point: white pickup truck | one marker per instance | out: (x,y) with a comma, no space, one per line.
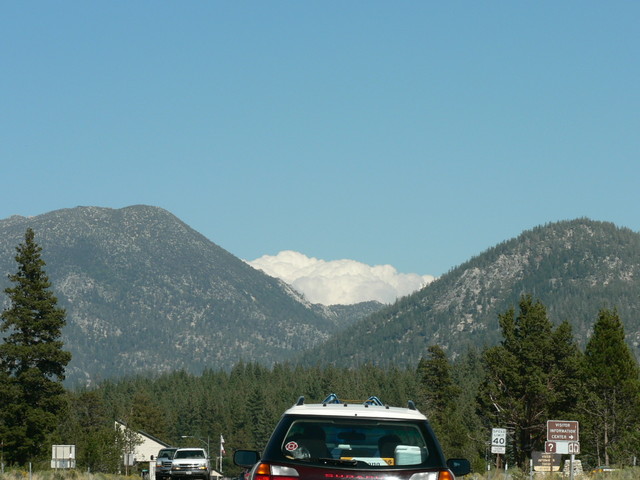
(190,463)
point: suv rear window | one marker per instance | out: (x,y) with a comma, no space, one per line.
(376,443)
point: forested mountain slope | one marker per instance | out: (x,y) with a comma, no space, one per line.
(145,292)
(574,267)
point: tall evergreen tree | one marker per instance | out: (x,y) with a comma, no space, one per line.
(612,403)
(529,377)
(32,359)
(88,425)
(439,395)
(145,414)
(468,373)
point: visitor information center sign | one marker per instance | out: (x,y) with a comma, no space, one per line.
(562,437)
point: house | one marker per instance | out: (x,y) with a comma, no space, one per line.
(147,445)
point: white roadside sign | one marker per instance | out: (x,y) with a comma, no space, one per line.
(562,447)
(498,440)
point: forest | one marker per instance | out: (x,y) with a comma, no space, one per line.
(536,373)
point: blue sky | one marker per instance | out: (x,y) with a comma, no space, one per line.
(416,134)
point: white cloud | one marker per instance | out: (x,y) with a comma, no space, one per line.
(340,281)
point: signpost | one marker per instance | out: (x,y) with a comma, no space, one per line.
(63,456)
(498,440)
(545,462)
(498,444)
(563,437)
(562,447)
(562,430)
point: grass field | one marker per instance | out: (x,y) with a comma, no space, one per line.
(622,474)
(62,475)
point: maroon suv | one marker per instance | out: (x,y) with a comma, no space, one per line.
(337,440)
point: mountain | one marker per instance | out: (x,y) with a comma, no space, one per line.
(574,268)
(146,293)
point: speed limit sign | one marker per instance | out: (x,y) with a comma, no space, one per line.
(498,440)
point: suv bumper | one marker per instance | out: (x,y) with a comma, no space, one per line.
(195,473)
(162,473)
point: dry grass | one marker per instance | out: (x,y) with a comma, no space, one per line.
(623,474)
(17,474)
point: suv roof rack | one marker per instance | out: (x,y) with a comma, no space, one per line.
(372,400)
(332,398)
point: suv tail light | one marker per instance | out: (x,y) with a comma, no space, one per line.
(441,475)
(266,471)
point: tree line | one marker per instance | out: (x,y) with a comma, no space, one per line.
(536,373)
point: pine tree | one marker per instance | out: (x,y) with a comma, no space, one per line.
(89,426)
(612,404)
(145,414)
(32,359)
(529,376)
(439,395)
(468,373)
(437,388)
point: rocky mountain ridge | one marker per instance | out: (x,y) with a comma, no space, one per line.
(146,293)
(574,268)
